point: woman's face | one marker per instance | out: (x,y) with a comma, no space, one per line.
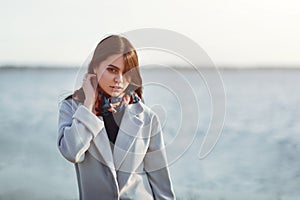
(110,74)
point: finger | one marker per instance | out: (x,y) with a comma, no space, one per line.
(115,104)
(85,77)
(127,98)
(88,76)
(93,80)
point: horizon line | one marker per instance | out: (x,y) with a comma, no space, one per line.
(176,66)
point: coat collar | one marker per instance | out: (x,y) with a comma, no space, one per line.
(130,126)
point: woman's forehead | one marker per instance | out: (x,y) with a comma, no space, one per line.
(116,60)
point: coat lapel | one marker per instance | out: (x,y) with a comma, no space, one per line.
(101,150)
(130,126)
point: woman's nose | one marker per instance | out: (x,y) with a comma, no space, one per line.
(119,78)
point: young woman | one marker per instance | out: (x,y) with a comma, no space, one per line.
(113,139)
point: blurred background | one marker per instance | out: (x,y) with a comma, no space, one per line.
(253,44)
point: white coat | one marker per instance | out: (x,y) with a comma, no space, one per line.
(134,168)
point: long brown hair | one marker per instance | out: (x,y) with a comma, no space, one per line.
(114,44)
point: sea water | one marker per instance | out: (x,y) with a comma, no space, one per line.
(255,157)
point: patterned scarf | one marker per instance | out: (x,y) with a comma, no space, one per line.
(108,106)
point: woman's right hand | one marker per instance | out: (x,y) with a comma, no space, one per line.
(89,86)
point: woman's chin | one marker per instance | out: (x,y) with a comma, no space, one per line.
(115,94)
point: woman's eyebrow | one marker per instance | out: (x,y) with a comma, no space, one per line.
(111,65)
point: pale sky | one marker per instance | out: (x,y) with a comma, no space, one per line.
(233,32)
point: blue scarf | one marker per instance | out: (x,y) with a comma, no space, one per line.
(108,102)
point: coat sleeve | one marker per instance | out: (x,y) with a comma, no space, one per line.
(156,164)
(76,128)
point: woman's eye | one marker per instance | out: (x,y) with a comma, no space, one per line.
(112,70)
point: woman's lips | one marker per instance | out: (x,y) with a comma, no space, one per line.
(116,87)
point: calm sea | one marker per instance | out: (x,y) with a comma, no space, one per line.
(255,157)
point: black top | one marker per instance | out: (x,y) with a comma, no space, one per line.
(112,123)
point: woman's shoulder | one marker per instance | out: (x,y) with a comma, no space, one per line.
(69,103)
